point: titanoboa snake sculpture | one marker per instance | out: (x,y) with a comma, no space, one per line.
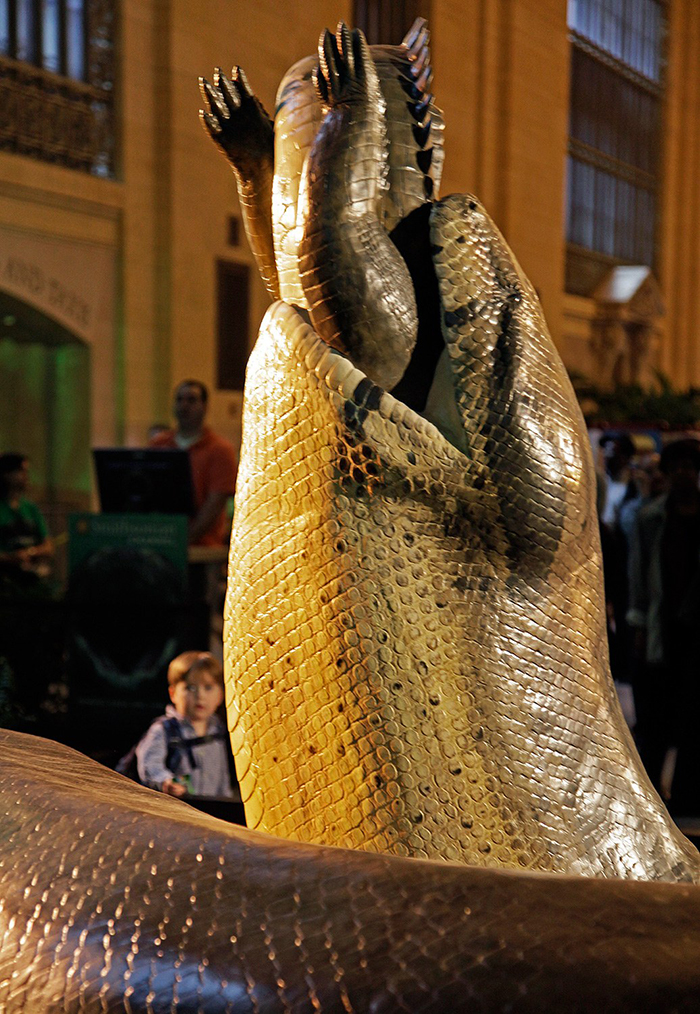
(415,643)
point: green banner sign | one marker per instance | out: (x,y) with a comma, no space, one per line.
(163,534)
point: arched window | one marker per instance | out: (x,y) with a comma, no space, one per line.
(617,72)
(47,33)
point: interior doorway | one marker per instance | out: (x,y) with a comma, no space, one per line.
(45,408)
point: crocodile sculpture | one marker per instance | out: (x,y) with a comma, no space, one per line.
(415,646)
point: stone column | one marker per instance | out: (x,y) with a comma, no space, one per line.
(502,79)
(679,231)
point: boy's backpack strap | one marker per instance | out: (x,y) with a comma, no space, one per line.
(177,745)
(210,737)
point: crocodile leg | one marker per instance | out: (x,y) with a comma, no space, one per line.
(357,285)
(242,130)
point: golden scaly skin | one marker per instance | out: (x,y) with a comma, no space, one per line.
(415,635)
(409,672)
(118,900)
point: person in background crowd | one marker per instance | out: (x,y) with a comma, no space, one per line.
(184,752)
(664,612)
(25,547)
(616,480)
(213,461)
(650,482)
(617,497)
(27,628)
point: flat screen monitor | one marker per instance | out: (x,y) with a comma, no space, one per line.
(144,481)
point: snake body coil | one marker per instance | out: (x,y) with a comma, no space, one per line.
(416,651)
(115,899)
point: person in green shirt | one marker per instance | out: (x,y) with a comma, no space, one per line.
(25,547)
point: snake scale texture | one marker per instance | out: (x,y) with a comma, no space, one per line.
(416,659)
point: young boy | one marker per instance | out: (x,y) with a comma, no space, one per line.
(165,760)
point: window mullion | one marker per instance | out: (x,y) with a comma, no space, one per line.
(38,14)
(12,21)
(610,165)
(62,48)
(86,40)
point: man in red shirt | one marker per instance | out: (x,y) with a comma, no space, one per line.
(213,461)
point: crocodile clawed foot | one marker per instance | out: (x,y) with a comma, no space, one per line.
(234,119)
(344,66)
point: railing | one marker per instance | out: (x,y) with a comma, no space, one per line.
(57,119)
